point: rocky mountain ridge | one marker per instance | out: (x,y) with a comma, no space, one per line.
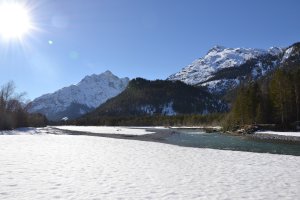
(223,69)
(76,100)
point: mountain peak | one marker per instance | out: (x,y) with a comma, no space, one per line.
(297,44)
(107,72)
(96,77)
(88,94)
(217,48)
(275,50)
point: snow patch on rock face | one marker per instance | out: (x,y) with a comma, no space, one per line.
(218,86)
(275,51)
(91,91)
(148,109)
(168,109)
(81,111)
(287,54)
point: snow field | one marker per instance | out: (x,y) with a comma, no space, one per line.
(106,130)
(85,167)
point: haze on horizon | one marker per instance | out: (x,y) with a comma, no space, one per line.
(65,41)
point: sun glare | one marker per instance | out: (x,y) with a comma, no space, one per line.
(15,21)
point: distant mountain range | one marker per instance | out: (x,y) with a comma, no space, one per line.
(76,100)
(209,80)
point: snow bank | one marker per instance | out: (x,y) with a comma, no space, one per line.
(294,134)
(81,167)
(198,127)
(24,131)
(106,130)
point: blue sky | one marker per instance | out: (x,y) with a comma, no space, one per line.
(137,38)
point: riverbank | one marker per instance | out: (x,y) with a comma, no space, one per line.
(197,137)
(155,134)
(276,137)
(266,132)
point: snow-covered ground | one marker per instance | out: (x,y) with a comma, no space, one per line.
(24,131)
(106,129)
(84,167)
(294,134)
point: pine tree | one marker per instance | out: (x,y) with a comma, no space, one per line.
(281,95)
(296,84)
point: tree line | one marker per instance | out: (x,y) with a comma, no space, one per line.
(274,100)
(154,120)
(13,111)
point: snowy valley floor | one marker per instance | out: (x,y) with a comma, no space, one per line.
(43,166)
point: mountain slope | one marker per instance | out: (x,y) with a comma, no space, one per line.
(143,97)
(76,100)
(291,56)
(272,99)
(222,69)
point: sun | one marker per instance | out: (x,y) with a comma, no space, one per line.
(15,21)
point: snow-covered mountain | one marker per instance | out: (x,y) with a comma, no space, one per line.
(222,69)
(81,98)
